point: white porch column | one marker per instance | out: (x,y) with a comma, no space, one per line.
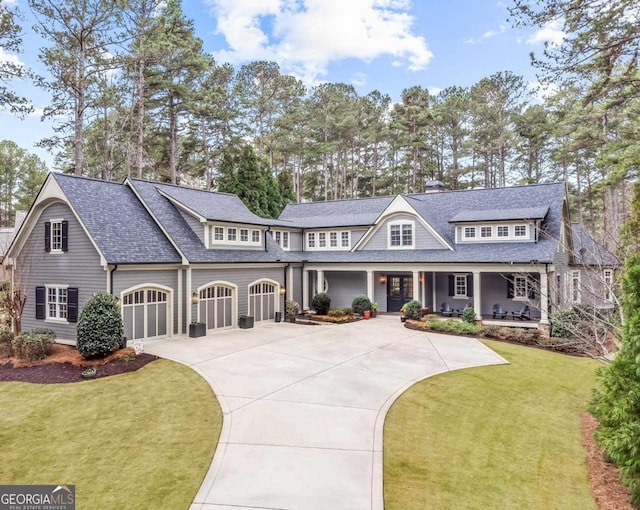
(416,285)
(305,289)
(289,293)
(370,290)
(544,298)
(423,301)
(476,294)
(434,296)
(320,282)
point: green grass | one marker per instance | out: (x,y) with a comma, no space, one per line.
(493,437)
(138,440)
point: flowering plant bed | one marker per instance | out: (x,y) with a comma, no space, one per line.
(344,319)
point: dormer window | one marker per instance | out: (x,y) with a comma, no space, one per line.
(328,240)
(520,231)
(469,232)
(231,234)
(494,232)
(503,230)
(281,237)
(220,235)
(400,234)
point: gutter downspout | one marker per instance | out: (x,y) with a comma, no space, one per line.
(115,267)
(265,237)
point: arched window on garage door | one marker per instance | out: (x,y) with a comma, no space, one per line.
(263,300)
(146,312)
(217,305)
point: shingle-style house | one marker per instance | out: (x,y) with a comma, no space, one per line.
(174,255)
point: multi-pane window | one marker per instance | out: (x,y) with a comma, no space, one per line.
(255,236)
(503,230)
(607,276)
(277,236)
(486,231)
(469,232)
(281,238)
(56,235)
(322,239)
(333,239)
(57,303)
(575,286)
(329,240)
(244,235)
(232,234)
(520,230)
(311,239)
(460,285)
(218,233)
(520,287)
(285,240)
(400,235)
(344,239)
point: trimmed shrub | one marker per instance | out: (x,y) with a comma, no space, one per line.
(6,339)
(452,326)
(336,312)
(490,331)
(32,346)
(348,310)
(99,326)
(45,332)
(413,309)
(469,315)
(321,303)
(361,304)
(564,323)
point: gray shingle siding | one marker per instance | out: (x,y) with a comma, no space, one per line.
(423,239)
(194,224)
(78,267)
(344,286)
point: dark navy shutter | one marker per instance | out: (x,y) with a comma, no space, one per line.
(469,285)
(41,305)
(451,285)
(47,236)
(509,288)
(72,304)
(65,227)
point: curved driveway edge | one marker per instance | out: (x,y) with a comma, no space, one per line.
(304,407)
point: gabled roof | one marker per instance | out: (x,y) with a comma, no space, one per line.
(523,213)
(116,221)
(588,251)
(336,213)
(153,196)
(213,205)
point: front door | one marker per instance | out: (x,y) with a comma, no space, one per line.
(399,291)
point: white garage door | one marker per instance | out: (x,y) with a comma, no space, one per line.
(145,313)
(262,301)
(216,306)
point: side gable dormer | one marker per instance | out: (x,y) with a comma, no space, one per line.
(400,227)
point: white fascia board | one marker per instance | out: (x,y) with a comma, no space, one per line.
(50,192)
(427,267)
(399,205)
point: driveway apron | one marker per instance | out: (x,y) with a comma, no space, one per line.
(304,407)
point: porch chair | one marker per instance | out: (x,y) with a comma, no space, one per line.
(445,310)
(498,312)
(524,314)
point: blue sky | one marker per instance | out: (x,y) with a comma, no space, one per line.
(387,45)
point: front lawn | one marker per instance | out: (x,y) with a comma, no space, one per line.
(504,436)
(139,440)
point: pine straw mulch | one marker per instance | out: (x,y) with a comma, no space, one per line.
(64,364)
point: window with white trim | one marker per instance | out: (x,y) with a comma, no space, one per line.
(607,277)
(486,232)
(311,239)
(520,287)
(220,235)
(345,239)
(281,238)
(575,286)
(255,236)
(322,239)
(400,235)
(469,232)
(244,235)
(57,303)
(520,231)
(460,285)
(56,235)
(333,239)
(328,240)
(503,230)
(232,234)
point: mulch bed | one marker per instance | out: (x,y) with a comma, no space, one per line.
(64,364)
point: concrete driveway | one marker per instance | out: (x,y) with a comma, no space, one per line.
(304,407)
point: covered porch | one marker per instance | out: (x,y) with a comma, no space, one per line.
(483,287)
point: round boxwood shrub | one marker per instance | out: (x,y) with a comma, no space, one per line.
(361,304)
(413,309)
(99,326)
(321,303)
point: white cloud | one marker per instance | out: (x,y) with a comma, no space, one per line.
(434,91)
(305,36)
(489,34)
(10,57)
(359,80)
(550,33)
(543,90)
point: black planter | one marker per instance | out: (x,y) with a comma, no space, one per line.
(196,330)
(278,317)
(246,322)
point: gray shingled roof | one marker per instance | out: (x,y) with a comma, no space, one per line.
(215,206)
(586,250)
(186,239)
(336,213)
(524,213)
(116,221)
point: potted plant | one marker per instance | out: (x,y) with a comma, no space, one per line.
(425,311)
(292,307)
(197,329)
(245,321)
(374,309)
